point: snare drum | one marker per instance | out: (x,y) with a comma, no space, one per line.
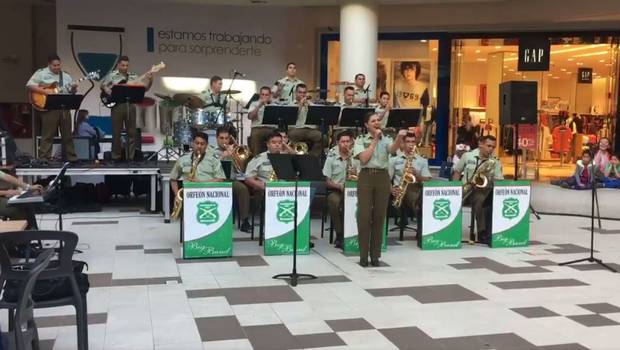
(199,117)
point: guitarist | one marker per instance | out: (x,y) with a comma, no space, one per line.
(52,120)
(121,115)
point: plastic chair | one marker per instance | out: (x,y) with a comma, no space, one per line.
(25,335)
(59,269)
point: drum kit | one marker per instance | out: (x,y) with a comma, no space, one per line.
(184,113)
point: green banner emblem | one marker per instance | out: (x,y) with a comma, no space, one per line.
(286,211)
(510,210)
(441,209)
(207,213)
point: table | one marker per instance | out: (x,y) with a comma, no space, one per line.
(13,225)
(152,172)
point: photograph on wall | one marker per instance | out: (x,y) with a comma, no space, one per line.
(384,75)
(411,80)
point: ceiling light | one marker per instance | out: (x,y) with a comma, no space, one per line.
(511,70)
(477,51)
(434,49)
(565,45)
(602,61)
(513,54)
(563,69)
(550,74)
(459,54)
(423,41)
(480,59)
(569,72)
(579,48)
(556,78)
(580,63)
(505,66)
(498,46)
(570,59)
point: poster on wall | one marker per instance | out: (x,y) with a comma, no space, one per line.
(384,75)
(411,81)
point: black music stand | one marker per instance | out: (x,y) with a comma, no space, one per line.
(63,102)
(227,167)
(57,186)
(403,118)
(354,117)
(294,168)
(127,94)
(282,116)
(325,117)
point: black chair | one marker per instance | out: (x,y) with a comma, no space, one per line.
(25,335)
(57,285)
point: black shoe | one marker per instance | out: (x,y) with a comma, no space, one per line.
(374,262)
(246,226)
(363,262)
(311,244)
(338,244)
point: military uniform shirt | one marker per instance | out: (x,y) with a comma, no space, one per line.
(44,76)
(360,94)
(397,167)
(384,121)
(115,77)
(213,102)
(335,168)
(208,169)
(302,114)
(258,122)
(381,155)
(467,165)
(260,167)
(287,89)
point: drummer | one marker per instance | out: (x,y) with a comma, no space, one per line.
(215,101)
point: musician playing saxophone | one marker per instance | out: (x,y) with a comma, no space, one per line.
(338,168)
(208,168)
(479,198)
(408,160)
(259,170)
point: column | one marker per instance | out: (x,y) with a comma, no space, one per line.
(358,41)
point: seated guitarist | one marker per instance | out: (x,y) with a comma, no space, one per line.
(52,120)
(122,116)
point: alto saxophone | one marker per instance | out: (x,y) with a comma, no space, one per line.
(178,199)
(407,179)
(351,170)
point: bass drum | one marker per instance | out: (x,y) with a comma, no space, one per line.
(182,133)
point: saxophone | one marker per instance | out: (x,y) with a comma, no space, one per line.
(407,179)
(481,178)
(178,199)
(273,176)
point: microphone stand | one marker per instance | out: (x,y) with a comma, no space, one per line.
(367,94)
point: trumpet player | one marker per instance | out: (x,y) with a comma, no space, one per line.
(255,114)
(303,132)
(241,193)
(208,169)
(408,161)
(337,169)
(373,186)
(466,169)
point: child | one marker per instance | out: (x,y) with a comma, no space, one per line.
(612,173)
(582,179)
(84,129)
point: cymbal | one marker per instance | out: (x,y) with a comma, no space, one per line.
(343,82)
(318,90)
(163,97)
(189,100)
(230,92)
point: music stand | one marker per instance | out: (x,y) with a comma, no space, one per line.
(227,167)
(282,116)
(325,117)
(354,117)
(292,167)
(403,118)
(127,93)
(57,186)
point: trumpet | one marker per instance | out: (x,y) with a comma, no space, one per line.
(178,199)
(298,147)
(240,155)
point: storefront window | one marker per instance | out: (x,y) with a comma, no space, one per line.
(572,114)
(407,70)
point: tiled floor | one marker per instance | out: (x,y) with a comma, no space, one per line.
(144,296)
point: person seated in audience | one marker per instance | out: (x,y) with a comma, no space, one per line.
(612,173)
(602,155)
(584,176)
(16,212)
(84,129)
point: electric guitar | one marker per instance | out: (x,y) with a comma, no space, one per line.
(106,92)
(38,99)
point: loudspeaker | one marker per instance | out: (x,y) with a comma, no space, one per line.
(518,102)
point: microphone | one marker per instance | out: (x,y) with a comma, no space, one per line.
(367,88)
(237,73)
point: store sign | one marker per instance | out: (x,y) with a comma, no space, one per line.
(534,54)
(527,137)
(511,209)
(207,220)
(441,215)
(584,76)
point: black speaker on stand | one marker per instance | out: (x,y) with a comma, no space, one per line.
(518,104)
